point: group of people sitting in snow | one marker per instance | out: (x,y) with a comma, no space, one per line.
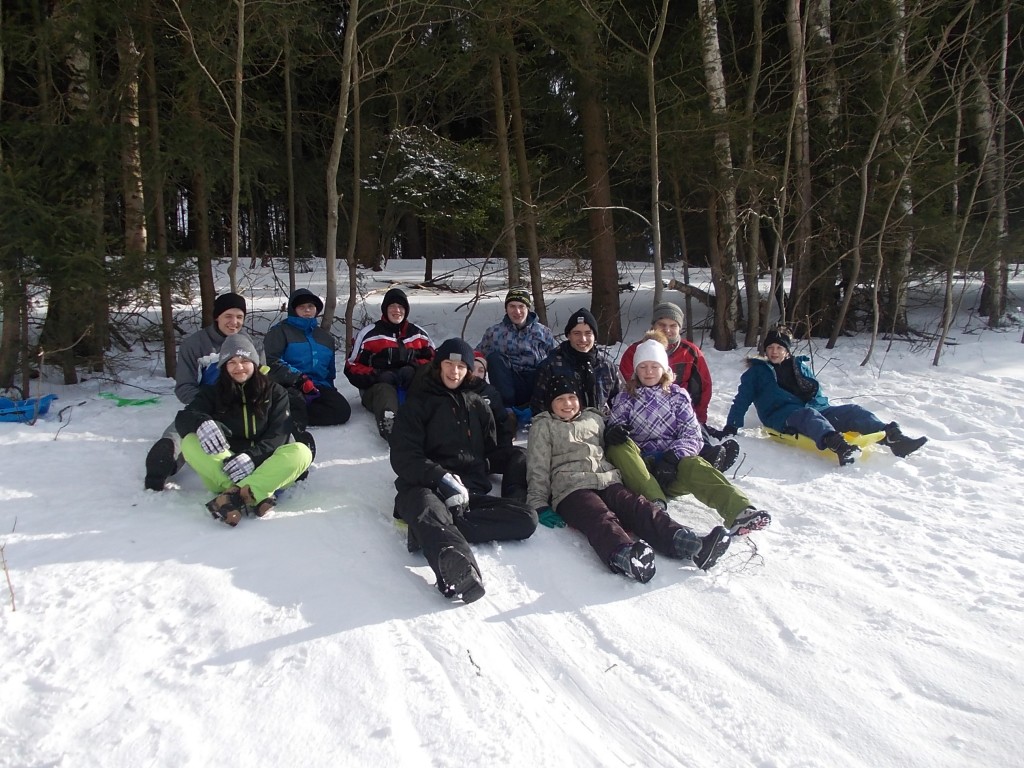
(607,447)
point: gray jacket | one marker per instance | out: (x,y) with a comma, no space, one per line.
(566,456)
(197,362)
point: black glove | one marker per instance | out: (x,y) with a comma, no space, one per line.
(616,434)
(405,374)
(388,377)
(665,470)
(385,358)
(727,431)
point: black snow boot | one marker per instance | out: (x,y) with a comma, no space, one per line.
(635,560)
(721,457)
(160,464)
(900,444)
(458,576)
(304,437)
(835,441)
(713,546)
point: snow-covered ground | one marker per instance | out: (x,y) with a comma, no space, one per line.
(878,622)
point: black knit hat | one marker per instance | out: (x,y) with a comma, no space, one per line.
(456,350)
(304,296)
(559,385)
(227,301)
(776,336)
(521,295)
(395,296)
(581,315)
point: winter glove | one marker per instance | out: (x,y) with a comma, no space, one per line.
(211,438)
(453,493)
(238,467)
(388,377)
(727,431)
(384,359)
(308,388)
(665,469)
(549,518)
(616,434)
(405,374)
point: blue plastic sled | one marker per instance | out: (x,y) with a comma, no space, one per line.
(24,411)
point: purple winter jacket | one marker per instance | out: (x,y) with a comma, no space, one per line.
(659,421)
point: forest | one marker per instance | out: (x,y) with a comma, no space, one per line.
(836,151)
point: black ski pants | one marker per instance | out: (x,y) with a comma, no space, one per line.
(488,518)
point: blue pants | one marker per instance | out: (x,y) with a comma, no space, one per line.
(514,385)
(836,418)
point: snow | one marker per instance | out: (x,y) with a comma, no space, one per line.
(877,622)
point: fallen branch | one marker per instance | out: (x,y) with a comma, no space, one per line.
(705,298)
(7,573)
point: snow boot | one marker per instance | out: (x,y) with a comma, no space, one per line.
(160,464)
(252,507)
(385,424)
(900,444)
(685,544)
(458,576)
(227,506)
(713,546)
(304,437)
(835,442)
(635,560)
(748,520)
(722,456)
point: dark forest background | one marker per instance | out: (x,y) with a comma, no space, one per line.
(853,146)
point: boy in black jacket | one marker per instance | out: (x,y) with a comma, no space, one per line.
(440,445)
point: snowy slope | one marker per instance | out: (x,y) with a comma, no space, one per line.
(876,623)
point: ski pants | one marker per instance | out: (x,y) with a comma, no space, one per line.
(279,471)
(488,518)
(693,476)
(607,516)
(836,418)
(515,385)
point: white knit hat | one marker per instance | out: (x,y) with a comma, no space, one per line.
(651,351)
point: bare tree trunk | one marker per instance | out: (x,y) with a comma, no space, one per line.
(803,269)
(724,276)
(899,270)
(131,158)
(357,202)
(236,143)
(508,233)
(752,272)
(204,256)
(604,301)
(289,139)
(652,109)
(334,160)
(525,191)
(684,255)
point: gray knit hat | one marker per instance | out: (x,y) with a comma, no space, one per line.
(667,310)
(238,345)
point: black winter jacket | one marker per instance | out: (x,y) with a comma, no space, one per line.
(439,430)
(246,431)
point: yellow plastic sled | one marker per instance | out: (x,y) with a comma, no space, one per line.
(802,441)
